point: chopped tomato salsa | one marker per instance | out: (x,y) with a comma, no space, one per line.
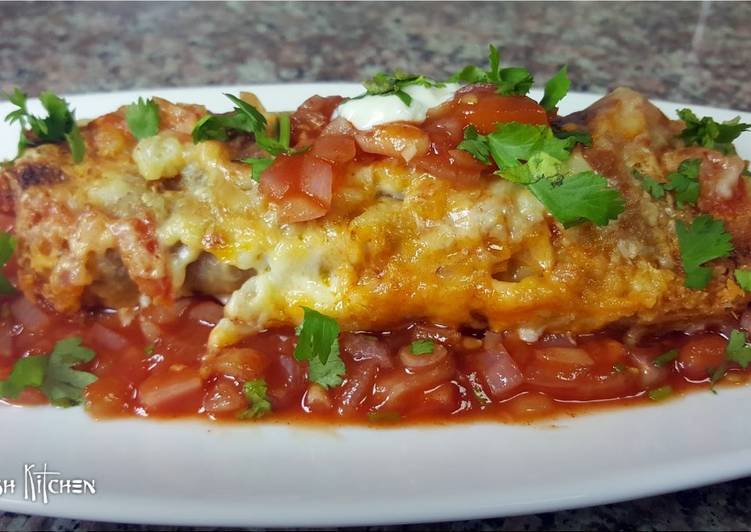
(155,364)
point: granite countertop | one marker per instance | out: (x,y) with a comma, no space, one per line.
(687,52)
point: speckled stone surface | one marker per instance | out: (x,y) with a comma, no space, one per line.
(689,52)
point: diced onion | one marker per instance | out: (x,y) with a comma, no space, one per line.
(29,315)
(164,390)
(206,313)
(222,397)
(412,361)
(107,338)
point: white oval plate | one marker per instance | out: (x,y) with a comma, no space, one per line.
(200,473)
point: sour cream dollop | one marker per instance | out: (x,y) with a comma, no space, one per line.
(370,111)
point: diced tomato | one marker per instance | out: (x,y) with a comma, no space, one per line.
(301,185)
(484,109)
(311,117)
(335,148)
(701,355)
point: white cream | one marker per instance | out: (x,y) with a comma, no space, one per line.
(370,111)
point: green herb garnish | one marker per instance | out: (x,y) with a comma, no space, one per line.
(508,81)
(422,347)
(685,182)
(651,185)
(384,84)
(710,134)
(59,125)
(743,278)
(258,402)
(533,156)
(703,240)
(53,374)
(665,358)
(142,118)
(7,245)
(555,90)
(661,393)
(318,343)
(738,349)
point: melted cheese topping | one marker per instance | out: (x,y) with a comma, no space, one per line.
(165,218)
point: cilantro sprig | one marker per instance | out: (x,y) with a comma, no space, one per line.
(555,90)
(59,125)
(655,188)
(514,80)
(684,183)
(53,374)
(743,278)
(384,83)
(318,344)
(508,80)
(422,347)
(7,246)
(274,147)
(142,117)
(533,156)
(246,119)
(738,350)
(708,133)
(701,241)
(258,402)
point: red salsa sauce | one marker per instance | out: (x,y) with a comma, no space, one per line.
(155,366)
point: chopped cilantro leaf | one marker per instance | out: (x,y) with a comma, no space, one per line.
(76,144)
(7,245)
(59,124)
(618,367)
(580,137)
(665,358)
(685,182)
(244,118)
(475,144)
(247,119)
(555,90)
(258,166)
(738,349)
(710,134)
(64,385)
(328,374)
(716,375)
(533,156)
(661,393)
(513,142)
(540,165)
(258,402)
(704,240)
(53,374)
(383,84)
(26,373)
(318,343)
(579,197)
(422,347)
(142,118)
(508,81)
(743,277)
(651,185)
